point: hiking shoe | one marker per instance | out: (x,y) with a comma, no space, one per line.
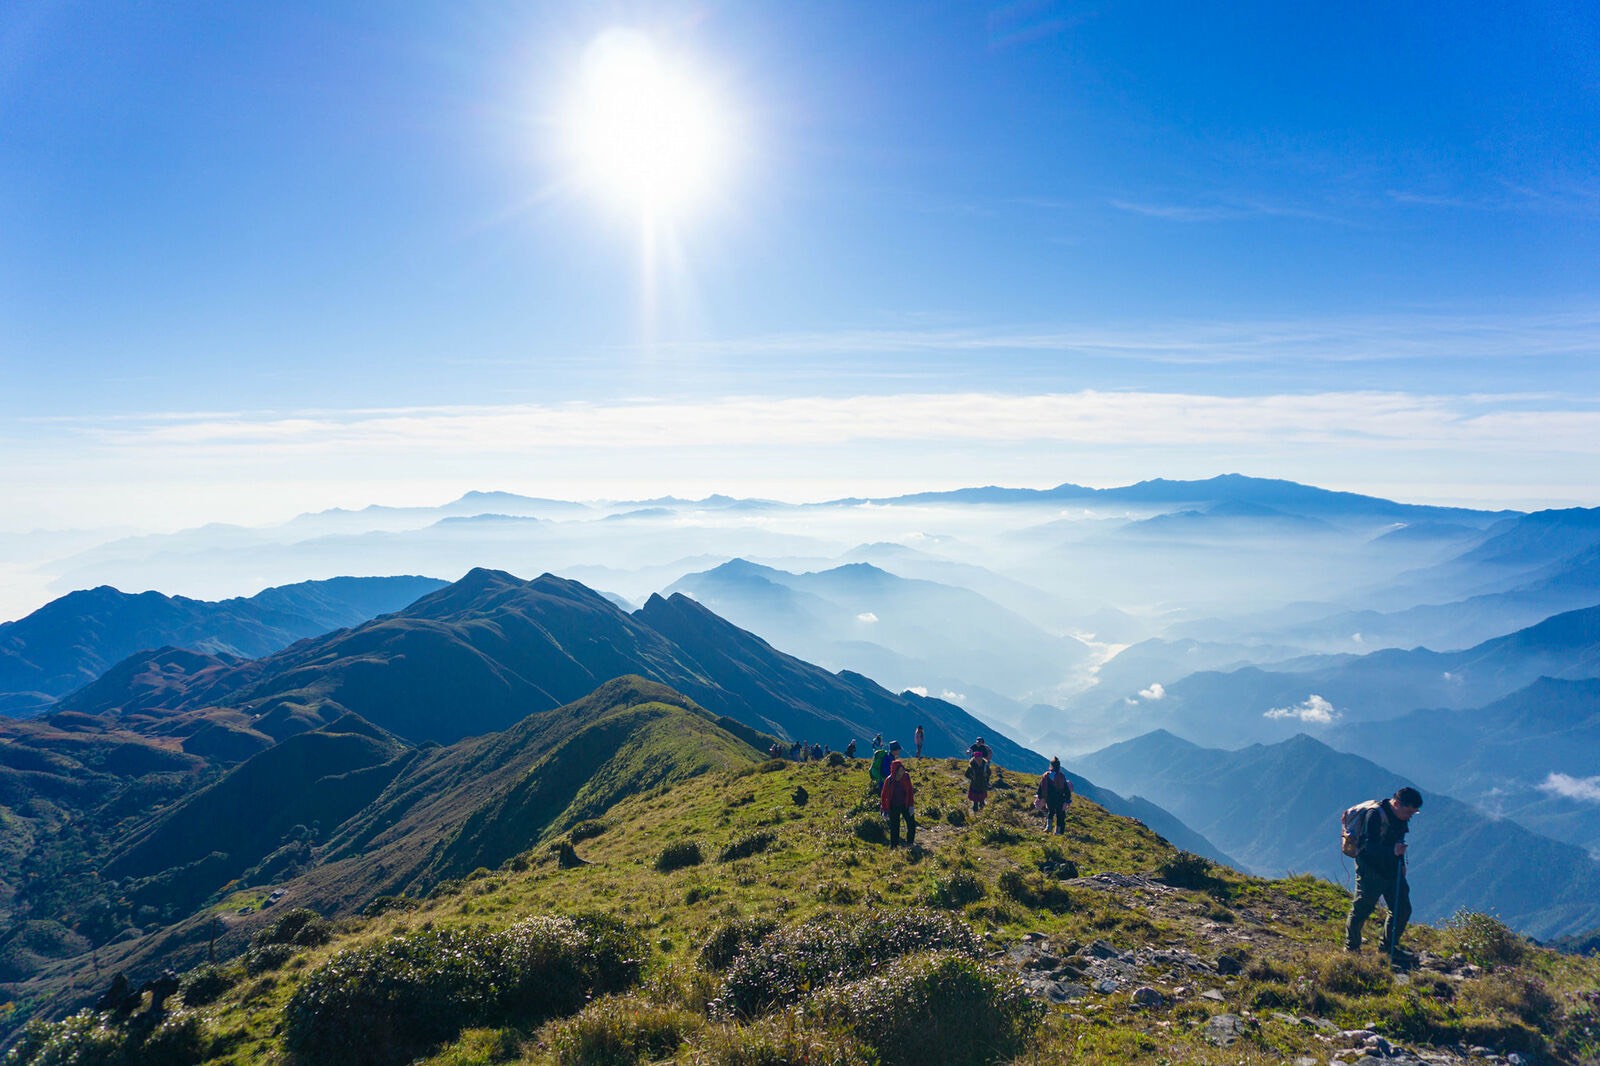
(1401,959)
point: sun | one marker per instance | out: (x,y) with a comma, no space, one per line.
(645,133)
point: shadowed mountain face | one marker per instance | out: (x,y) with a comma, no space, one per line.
(1256,703)
(71,641)
(1531,756)
(481,654)
(909,632)
(1276,807)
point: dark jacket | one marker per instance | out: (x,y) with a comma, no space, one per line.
(1055,789)
(1380,832)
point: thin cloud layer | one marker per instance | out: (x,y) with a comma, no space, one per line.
(1583,789)
(1315,710)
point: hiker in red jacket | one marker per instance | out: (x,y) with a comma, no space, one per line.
(896,801)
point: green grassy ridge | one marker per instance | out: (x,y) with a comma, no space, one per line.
(1287,932)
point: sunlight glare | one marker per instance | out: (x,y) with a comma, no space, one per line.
(646,133)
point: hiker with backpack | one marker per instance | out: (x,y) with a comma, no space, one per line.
(980,748)
(1054,793)
(978,782)
(1374,834)
(878,769)
(896,801)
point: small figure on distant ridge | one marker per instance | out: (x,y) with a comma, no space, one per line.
(917,738)
(897,801)
(850,749)
(1374,834)
(1056,792)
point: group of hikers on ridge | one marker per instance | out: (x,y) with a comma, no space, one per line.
(1373,833)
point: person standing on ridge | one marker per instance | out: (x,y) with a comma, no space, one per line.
(1380,830)
(1056,792)
(897,801)
(918,737)
(979,747)
(977,781)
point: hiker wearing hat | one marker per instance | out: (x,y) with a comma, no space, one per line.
(1056,792)
(979,747)
(977,781)
(1380,854)
(896,801)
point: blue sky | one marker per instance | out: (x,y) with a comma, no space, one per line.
(257,259)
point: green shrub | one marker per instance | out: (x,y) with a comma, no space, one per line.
(957,890)
(388,1002)
(746,846)
(1350,973)
(1033,889)
(800,797)
(956,817)
(91,1039)
(1517,994)
(836,758)
(301,927)
(730,938)
(1001,834)
(772,766)
(267,957)
(587,830)
(677,856)
(940,1008)
(619,1031)
(780,969)
(1484,940)
(870,827)
(385,904)
(1188,870)
(204,984)
(566,855)
(779,1041)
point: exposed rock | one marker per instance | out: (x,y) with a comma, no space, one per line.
(1223,1029)
(1227,965)
(1145,996)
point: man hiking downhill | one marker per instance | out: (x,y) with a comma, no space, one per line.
(896,801)
(1381,869)
(1056,791)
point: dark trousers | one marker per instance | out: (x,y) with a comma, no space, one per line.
(895,814)
(1371,886)
(1055,819)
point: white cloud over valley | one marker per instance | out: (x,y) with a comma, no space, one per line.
(1314,710)
(1583,789)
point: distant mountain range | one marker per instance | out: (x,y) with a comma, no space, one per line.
(907,632)
(1253,702)
(1276,807)
(73,640)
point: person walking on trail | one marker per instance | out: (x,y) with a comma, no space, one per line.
(1056,792)
(918,737)
(850,749)
(897,801)
(1379,832)
(878,769)
(980,748)
(978,782)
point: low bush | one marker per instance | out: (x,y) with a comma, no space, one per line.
(204,984)
(772,766)
(1517,994)
(267,957)
(1352,973)
(619,1031)
(871,828)
(587,830)
(780,1041)
(957,890)
(385,904)
(301,927)
(1188,870)
(746,846)
(781,968)
(836,758)
(730,938)
(386,1003)
(800,797)
(941,1008)
(92,1039)
(1484,940)
(1033,889)
(677,856)
(956,817)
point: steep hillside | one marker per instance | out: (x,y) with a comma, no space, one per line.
(753,915)
(1276,808)
(70,641)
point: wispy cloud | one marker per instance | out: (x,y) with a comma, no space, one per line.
(1157,691)
(1355,420)
(1583,789)
(1314,710)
